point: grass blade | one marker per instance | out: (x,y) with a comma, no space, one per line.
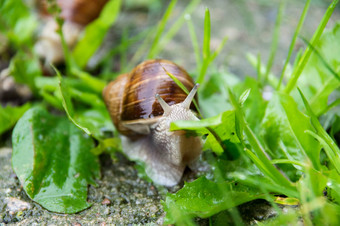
(206,38)
(67,104)
(205,48)
(160,29)
(69,61)
(180,84)
(331,155)
(218,50)
(262,159)
(176,26)
(292,43)
(320,132)
(207,56)
(258,68)
(305,57)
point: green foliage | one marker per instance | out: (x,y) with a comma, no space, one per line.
(10,115)
(291,151)
(158,37)
(204,198)
(318,77)
(52,160)
(208,56)
(306,55)
(95,33)
(259,143)
(16,22)
(25,67)
(161,28)
(90,121)
(299,123)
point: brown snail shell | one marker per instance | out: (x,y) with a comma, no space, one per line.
(81,12)
(142,105)
(131,97)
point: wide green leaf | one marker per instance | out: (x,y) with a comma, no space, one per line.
(279,139)
(204,198)
(53,162)
(220,130)
(299,123)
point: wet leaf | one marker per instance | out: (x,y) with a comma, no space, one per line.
(204,198)
(53,161)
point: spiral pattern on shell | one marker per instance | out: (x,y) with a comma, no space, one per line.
(131,97)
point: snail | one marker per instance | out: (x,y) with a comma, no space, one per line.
(76,13)
(142,104)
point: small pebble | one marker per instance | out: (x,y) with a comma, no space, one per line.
(106,201)
(15,205)
(8,190)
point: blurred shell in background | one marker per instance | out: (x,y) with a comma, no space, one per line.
(76,13)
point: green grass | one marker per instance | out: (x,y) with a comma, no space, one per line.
(279,149)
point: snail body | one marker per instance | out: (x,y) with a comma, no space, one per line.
(142,104)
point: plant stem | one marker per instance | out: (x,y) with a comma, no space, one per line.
(161,28)
(292,44)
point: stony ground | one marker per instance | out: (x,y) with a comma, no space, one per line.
(120,198)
